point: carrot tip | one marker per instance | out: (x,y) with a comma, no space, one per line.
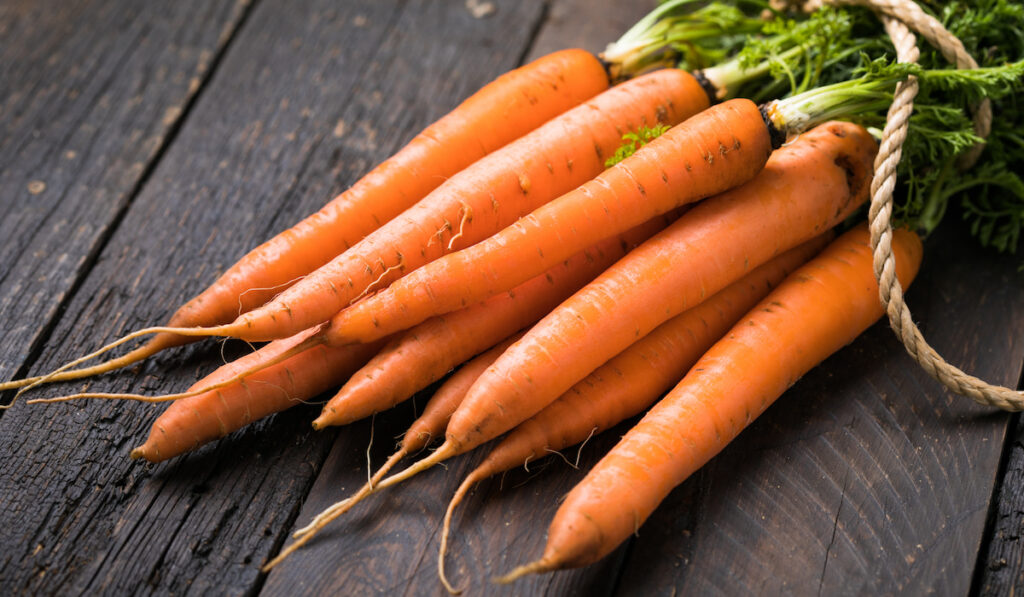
(326,419)
(537,567)
(137,453)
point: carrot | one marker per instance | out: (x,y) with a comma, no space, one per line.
(428,426)
(715,150)
(424,354)
(192,422)
(813,313)
(630,382)
(507,108)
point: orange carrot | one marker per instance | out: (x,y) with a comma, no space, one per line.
(715,150)
(630,382)
(429,425)
(502,111)
(813,313)
(424,354)
(192,422)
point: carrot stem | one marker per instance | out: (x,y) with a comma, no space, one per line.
(869,93)
(655,40)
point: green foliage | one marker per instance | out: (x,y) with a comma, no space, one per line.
(990,195)
(634,141)
(684,33)
(931,182)
(796,53)
(797,50)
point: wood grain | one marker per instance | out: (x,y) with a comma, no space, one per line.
(92,91)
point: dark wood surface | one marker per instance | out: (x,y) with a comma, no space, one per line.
(145,147)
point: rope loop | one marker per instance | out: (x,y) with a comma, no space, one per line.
(901,19)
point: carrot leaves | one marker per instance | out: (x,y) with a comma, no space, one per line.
(990,195)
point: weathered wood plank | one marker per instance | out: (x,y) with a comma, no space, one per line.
(866,477)
(89,93)
(262,146)
(389,544)
(1001,561)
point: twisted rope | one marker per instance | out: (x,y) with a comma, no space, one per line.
(899,17)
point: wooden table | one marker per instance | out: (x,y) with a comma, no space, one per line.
(146,146)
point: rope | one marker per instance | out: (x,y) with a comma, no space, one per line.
(899,17)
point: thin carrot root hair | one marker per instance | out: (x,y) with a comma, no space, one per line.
(334,511)
(305,534)
(339,508)
(62,373)
(472,479)
(282,286)
(538,567)
(314,340)
(375,485)
(579,452)
(321,520)
(444,452)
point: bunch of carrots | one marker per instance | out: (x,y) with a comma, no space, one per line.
(581,239)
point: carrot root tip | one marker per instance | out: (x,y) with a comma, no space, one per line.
(537,567)
(451,590)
